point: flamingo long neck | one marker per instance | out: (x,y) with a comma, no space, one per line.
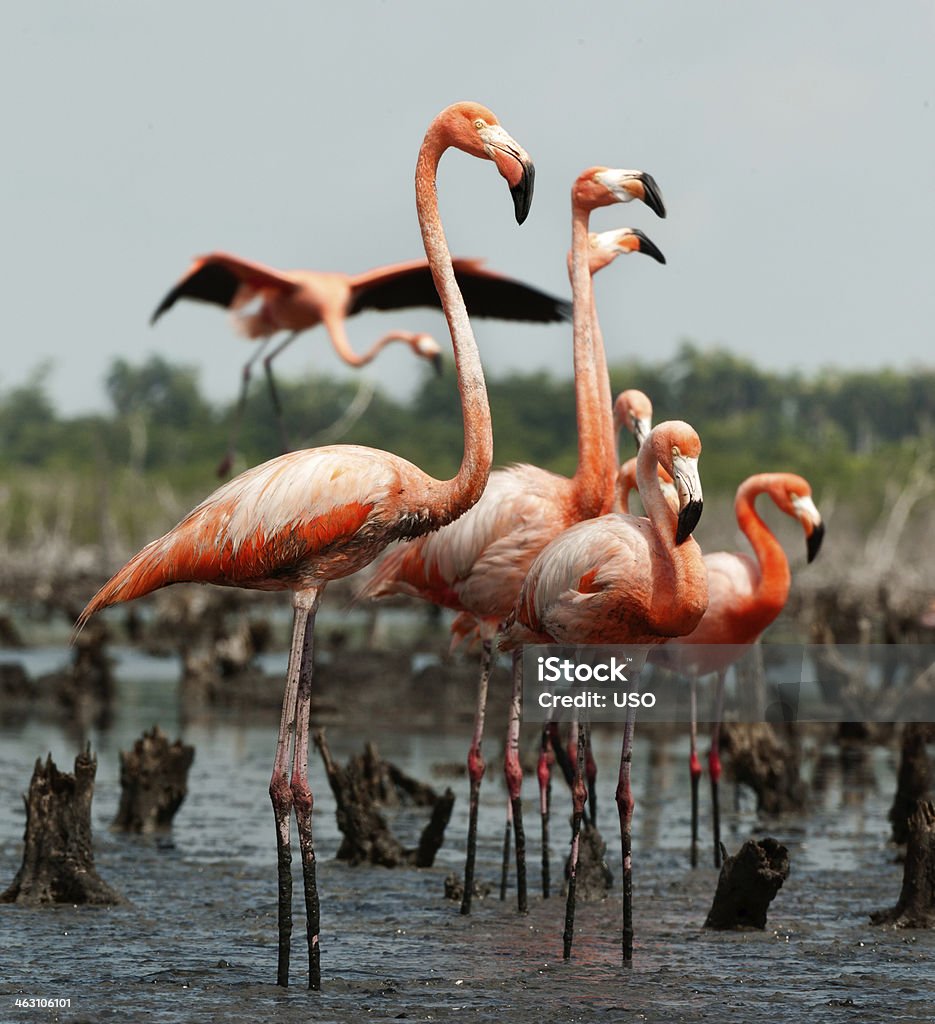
(339,339)
(678,577)
(772,588)
(594,477)
(455,496)
(610,436)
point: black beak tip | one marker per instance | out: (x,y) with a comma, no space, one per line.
(653,195)
(688,520)
(813,542)
(522,193)
(649,248)
(438,366)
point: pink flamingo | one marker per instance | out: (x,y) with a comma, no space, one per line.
(479,565)
(745,595)
(297,300)
(308,517)
(621,579)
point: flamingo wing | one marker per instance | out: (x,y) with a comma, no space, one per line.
(296,520)
(486,293)
(218,277)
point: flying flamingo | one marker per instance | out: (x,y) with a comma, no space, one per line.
(479,565)
(745,595)
(297,300)
(621,579)
(308,517)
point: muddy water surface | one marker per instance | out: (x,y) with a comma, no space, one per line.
(196,940)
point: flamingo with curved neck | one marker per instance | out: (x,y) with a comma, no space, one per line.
(308,517)
(745,595)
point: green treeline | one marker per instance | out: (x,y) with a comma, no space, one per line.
(846,431)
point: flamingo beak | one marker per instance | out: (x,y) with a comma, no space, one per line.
(813,541)
(652,195)
(648,247)
(688,486)
(641,426)
(810,518)
(514,164)
(437,364)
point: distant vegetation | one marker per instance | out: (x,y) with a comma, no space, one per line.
(116,478)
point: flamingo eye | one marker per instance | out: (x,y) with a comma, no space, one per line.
(480,123)
(675,451)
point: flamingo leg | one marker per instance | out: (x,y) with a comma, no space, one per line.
(579,797)
(476,769)
(694,767)
(273,391)
(544,775)
(590,766)
(224,466)
(280,789)
(302,800)
(507,840)
(625,811)
(514,780)
(714,764)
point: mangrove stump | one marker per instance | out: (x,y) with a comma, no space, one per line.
(914,780)
(359,788)
(916,906)
(747,884)
(58,857)
(766,763)
(153,782)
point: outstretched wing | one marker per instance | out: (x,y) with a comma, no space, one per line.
(217,277)
(486,293)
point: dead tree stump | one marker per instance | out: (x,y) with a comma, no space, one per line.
(153,782)
(770,766)
(914,780)
(58,857)
(368,838)
(593,878)
(747,884)
(916,906)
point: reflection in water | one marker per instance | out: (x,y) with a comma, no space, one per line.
(197,940)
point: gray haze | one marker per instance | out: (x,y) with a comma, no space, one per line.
(794,145)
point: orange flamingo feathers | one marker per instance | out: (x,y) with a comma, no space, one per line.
(745,595)
(308,517)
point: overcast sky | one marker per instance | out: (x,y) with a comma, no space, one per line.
(793,143)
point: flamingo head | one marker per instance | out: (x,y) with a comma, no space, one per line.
(634,410)
(426,347)
(475,130)
(676,447)
(601,186)
(793,495)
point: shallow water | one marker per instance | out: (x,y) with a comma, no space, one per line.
(197,939)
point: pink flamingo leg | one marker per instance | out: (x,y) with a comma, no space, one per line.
(302,800)
(625,811)
(714,764)
(579,797)
(694,768)
(514,780)
(280,789)
(476,769)
(544,775)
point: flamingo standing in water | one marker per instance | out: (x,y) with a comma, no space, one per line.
(297,300)
(478,565)
(744,596)
(622,579)
(308,517)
